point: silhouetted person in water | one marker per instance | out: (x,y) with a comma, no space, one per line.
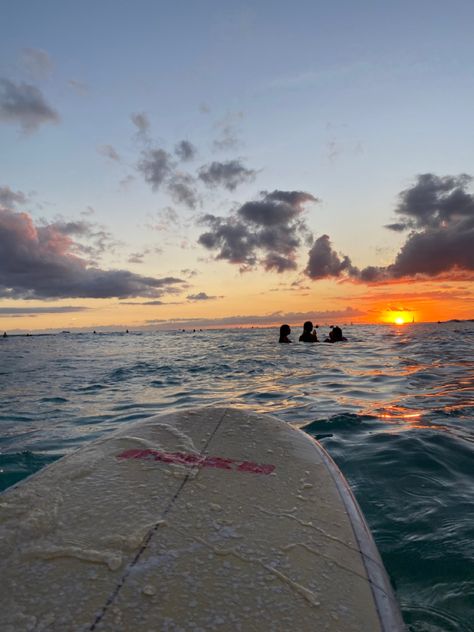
(335,335)
(4,334)
(285,331)
(309,333)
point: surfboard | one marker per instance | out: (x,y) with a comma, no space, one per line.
(205,519)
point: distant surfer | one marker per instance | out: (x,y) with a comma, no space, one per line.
(285,331)
(309,333)
(4,334)
(335,335)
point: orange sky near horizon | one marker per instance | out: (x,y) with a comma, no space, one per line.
(248,304)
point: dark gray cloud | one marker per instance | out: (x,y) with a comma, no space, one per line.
(39,262)
(10,199)
(24,104)
(398,227)
(66,309)
(156,166)
(226,174)
(268,231)
(325,262)
(109,152)
(202,296)
(276,208)
(438,212)
(435,201)
(182,188)
(185,150)
(37,62)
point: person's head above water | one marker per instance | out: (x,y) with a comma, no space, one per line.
(308,326)
(308,334)
(335,335)
(285,331)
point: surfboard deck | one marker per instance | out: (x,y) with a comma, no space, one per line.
(206,519)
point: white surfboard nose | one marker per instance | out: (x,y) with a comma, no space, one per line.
(207,519)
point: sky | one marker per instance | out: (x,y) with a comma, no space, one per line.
(214,164)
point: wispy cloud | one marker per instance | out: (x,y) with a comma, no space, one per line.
(274,318)
(24,104)
(202,296)
(109,152)
(67,309)
(37,62)
(10,199)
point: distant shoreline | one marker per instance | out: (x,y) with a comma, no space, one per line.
(197,329)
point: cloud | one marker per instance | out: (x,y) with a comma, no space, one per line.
(9,199)
(187,272)
(228,131)
(324,262)
(185,150)
(435,201)
(227,174)
(109,152)
(141,122)
(165,220)
(24,104)
(6,311)
(439,213)
(145,303)
(126,181)
(96,242)
(156,166)
(78,86)
(39,262)
(267,231)
(202,296)
(158,169)
(37,62)
(138,257)
(273,319)
(182,188)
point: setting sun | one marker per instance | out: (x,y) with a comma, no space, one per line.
(399,320)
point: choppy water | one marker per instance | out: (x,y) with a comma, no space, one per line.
(394,406)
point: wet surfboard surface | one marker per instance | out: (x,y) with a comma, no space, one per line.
(205,519)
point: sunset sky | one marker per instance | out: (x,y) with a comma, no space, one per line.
(201,164)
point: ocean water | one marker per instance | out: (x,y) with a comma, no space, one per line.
(394,406)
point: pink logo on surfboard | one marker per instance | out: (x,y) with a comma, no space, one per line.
(197,460)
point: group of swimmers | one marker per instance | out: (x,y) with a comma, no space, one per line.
(309,333)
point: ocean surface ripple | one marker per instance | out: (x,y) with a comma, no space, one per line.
(394,406)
